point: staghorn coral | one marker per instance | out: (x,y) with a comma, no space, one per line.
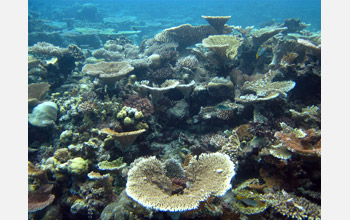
(208,175)
(225,46)
(218,22)
(108,72)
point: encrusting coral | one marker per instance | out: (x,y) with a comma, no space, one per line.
(208,175)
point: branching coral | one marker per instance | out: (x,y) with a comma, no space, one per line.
(208,175)
(142,104)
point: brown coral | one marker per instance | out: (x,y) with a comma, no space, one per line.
(310,145)
(141,104)
(125,138)
(41,198)
(36,92)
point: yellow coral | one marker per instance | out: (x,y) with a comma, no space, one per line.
(223,45)
(127,121)
(77,166)
(122,114)
(138,115)
(142,125)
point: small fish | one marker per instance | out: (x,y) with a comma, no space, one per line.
(261,50)
(249,202)
(222,107)
(134,28)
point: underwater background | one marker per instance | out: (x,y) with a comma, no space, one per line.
(174,109)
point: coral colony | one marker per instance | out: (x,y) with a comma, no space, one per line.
(207,122)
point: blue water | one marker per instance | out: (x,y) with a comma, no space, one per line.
(161,14)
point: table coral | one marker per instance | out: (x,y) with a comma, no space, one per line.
(125,138)
(217,22)
(225,46)
(208,175)
(109,72)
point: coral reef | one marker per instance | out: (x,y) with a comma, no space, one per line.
(131,124)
